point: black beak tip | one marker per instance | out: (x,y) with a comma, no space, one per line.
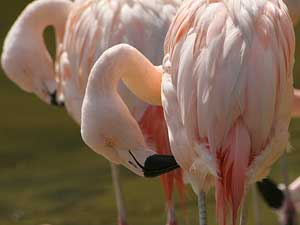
(53,100)
(157,165)
(272,195)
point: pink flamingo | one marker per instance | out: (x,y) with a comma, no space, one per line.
(85,29)
(25,59)
(227,90)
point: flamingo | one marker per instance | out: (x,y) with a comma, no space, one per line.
(25,59)
(85,29)
(226,88)
(285,205)
(74,82)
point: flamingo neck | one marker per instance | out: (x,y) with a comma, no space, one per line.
(41,14)
(124,62)
(103,103)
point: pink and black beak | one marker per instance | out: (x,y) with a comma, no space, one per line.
(272,195)
(156,165)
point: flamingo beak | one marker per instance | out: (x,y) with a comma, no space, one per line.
(156,165)
(272,195)
(54,101)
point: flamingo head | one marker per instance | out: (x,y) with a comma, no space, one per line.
(25,58)
(114,134)
(29,65)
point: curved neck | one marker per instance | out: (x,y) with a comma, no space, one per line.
(137,72)
(104,109)
(43,13)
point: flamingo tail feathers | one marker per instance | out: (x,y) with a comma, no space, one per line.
(233,162)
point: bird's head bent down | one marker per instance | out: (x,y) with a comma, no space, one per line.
(107,125)
(25,58)
(31,69)
(115,144)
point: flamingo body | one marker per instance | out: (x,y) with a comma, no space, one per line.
(226,93)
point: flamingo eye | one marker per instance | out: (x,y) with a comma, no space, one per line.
(109,142)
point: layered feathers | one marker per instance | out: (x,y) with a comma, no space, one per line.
(227,90)
(96,25)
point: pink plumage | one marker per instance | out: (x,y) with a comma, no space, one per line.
(227,89)
(155,131)
(94,26)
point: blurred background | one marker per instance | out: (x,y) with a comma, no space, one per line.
(48,175)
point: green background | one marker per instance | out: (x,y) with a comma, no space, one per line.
(48,175)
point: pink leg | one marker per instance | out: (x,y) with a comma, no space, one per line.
(171,220)
(118,194)
(121,221)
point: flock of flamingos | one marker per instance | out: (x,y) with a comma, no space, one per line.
(200,89)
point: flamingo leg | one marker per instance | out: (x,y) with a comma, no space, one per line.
(118,195)
(202,208)
(171,220)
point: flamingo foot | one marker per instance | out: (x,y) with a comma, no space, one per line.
(171,218)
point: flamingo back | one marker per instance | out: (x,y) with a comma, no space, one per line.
(96,25)
(227,90)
